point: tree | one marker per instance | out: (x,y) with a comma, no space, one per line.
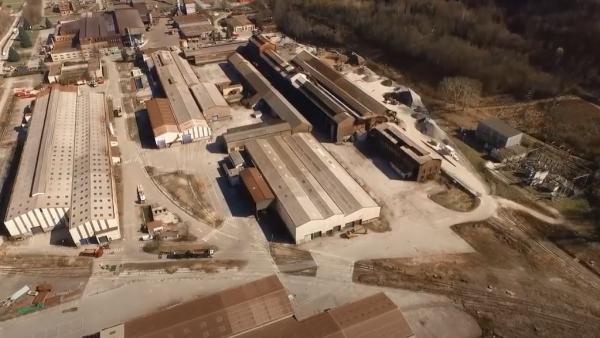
(26,24)
(13,55)
(460,90)
(24,38)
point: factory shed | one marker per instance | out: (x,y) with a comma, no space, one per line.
(314,194)
(373,316)
(201,31)
(364,104)
(191,20)
(128,21)
(162,121)
(257,188)
(259,88)
(283,109)
(235,138)
(409,159)
(497,134)
(224,314)
(175,76)
(255,84)
(218,52)
(65,176)
(211,102)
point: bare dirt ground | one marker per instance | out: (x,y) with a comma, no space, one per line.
(189,192)
(515,285)
(292,260)
(203,265)
(454,198)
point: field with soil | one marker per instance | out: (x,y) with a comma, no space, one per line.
(515,285)
(292,260)
(454,198)
(204,265)
(189,192)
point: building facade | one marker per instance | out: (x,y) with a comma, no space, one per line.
(408,159)
(497,134)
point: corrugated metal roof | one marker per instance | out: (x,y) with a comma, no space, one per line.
(128,19)
(66,141)
(262,89)
(260,85)
(226,313)
(256,185)
(175,76)
(161,116)
(307,181)
(399,139)
(374,316)
(193,19)
(500,127)
(351,94)
(253,131)
(286,111)
(208,96)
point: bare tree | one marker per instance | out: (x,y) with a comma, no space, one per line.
(460,90)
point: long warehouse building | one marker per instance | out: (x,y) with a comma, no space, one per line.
(259,89)
(176,78)
(65,176)
(314,194)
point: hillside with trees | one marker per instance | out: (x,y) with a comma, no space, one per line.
(521,47)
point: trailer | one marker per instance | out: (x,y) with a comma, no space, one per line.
(96,253)
(141,195)
(185,254)
(20,293)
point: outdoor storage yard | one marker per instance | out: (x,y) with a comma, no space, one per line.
(66,277)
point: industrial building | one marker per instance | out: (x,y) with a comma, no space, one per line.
(217,52)
(314,194)
(409,159)
(235,138)
(259,91)
(65,176)
(262,308)
(326,98)
(176,77)
(213,105)
(497,134)
(194,26)
(97,33)
(373,316)
(239,25)
(224,314)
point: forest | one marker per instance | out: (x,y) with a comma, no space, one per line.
(520,47)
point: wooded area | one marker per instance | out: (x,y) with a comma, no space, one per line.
(522,47)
